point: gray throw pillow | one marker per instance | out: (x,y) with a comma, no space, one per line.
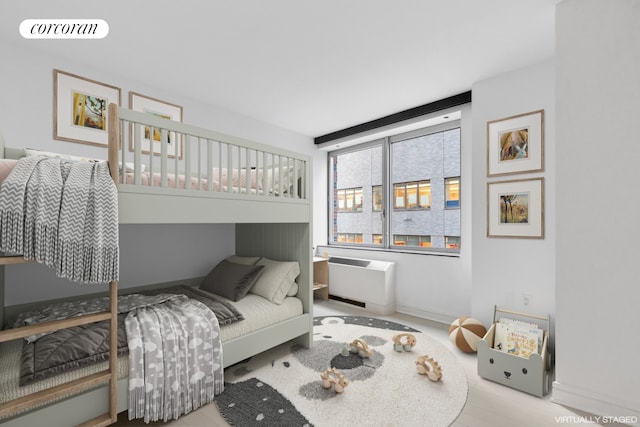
(231,280)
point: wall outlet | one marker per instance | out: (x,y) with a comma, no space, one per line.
(526,299)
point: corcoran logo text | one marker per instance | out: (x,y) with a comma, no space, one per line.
(64,29)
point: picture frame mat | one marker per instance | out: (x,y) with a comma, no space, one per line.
(65,84)
(143,103)
(534,122)
(534,228)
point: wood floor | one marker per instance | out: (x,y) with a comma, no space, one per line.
(488,404)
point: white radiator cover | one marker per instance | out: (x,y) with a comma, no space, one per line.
(373,285)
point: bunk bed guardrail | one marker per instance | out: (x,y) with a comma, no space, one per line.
(157,155)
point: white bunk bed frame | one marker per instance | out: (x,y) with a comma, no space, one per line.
(274,224)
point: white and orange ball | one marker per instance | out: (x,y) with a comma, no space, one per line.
(465,332)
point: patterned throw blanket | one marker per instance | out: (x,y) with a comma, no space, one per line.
(62,214)
(175,359)
(175,349)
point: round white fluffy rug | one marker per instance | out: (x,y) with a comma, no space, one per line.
(283,386)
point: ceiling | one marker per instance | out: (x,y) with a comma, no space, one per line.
(313,67)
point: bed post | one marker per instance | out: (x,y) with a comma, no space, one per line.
(114,144)
(114,141)
(113,351)
(1,297)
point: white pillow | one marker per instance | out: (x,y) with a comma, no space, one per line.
(247,260)
(294,290)
(273,178)
(276,279)
(34,152)
(130,167)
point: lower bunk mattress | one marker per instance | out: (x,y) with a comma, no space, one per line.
(258,312)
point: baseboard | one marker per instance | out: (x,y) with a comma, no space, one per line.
(429,315)
(348,301)
(594,403)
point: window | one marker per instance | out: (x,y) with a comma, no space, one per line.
(400,196)
(359,169)
(452,242)
(411,195)
(350,238)
(376,197)
(422,241)
(401,192)
(452,192)
(350,200)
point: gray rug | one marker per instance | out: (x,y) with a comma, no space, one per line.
(283,387)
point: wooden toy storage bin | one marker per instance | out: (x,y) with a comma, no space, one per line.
(528,375)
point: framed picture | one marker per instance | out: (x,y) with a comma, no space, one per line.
(80,108)
(516,208)
(516,144)
(166,110)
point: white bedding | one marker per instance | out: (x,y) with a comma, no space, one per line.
(278,181)
(258,313)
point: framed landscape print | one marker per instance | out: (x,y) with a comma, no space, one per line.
(516,208)
(165,110)
(80,108)
(516,144)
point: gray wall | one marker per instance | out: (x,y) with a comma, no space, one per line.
(148,254)
(597,292)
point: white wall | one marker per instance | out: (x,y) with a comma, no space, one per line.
(488,271)
(506,269)
(26,120)
(597,292)
(26,110)
(148,253)
(433,287)
(584,273)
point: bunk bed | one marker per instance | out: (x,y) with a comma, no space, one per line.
(210,178)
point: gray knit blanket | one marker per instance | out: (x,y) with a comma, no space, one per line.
(62,214)
(175,349)
(175,359)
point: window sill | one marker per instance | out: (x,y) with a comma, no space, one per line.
(443,253)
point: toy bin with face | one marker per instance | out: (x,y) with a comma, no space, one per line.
(525,374)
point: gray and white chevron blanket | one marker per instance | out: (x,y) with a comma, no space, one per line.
(175,359)
(62,214)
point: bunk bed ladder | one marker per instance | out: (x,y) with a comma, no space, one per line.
(110,375)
